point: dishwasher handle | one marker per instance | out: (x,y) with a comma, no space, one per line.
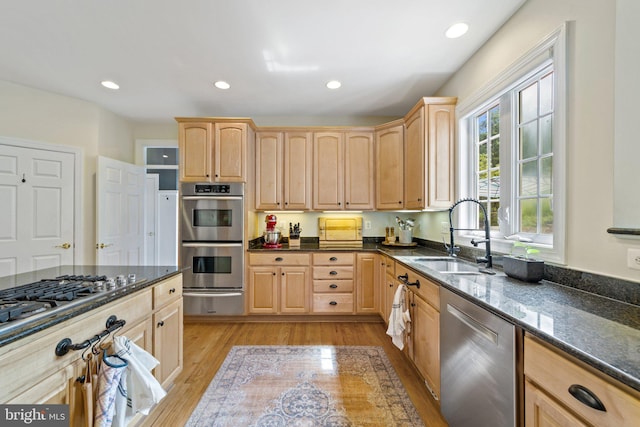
(473,324)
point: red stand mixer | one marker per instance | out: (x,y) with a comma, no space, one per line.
(271,236)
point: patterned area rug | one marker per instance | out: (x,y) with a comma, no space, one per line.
(305,386)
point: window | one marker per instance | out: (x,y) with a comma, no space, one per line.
(164,162)
(512,151)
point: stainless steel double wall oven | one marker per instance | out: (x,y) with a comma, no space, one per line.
(212,252)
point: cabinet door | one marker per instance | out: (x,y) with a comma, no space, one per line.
(167,342)
(390,168)
(367,296)
(415,161)
(230,152)
(263,290)
(194,143)
(328,171)
(294,289)
(426,342)
(441,155)
(297,170)
(269,170)
(359,177)
(542,411)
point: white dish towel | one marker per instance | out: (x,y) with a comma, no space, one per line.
(141,390)
(399,318)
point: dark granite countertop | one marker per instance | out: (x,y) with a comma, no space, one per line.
(145,276)
(600,331)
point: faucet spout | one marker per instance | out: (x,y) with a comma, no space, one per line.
(488,259)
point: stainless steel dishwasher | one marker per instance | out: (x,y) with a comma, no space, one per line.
(478,365)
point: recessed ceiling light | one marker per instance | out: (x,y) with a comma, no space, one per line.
(110,85)
(334,84)
(457,30)
(222,84)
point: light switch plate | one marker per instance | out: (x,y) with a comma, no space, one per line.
(633,258)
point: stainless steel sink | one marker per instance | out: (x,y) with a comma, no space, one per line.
(445,265)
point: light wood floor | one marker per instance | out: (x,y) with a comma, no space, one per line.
(207,344)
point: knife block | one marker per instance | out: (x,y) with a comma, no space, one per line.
(294,242)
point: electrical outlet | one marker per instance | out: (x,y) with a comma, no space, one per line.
(444,227)
(367,225)
(633,258)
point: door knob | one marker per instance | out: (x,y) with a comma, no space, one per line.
(65,245)
(102,245)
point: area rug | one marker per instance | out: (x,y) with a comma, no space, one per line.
(305,386)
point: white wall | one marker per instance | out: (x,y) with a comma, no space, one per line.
(590,150)
(46,117)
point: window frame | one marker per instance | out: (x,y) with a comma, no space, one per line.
(550,51)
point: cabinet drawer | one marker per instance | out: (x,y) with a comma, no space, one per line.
(390,266)
(555,374)
(280,258)
(167,291)
(333,273)
(333,303)
(333,258)
(335,286)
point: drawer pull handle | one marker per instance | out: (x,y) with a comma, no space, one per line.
(333,258)
(333,273)
(172,290)
(333,303)
(586,396)
(333,286)
(160,323)
(279,259)
(404,278)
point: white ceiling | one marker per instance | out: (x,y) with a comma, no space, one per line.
(276,54)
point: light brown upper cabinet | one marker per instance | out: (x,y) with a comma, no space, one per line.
(343,170)
(297,170)
(429,154)
(283,170)
(390,166)
(328,170)
(358,171)
(211,151)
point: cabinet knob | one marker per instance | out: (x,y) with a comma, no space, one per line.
(347,203)
(207,175)
(333,303)
(400,202)
(283,273)
(339,203)
(172,290)
(279,259)
(274,273)
(333,286)
(286,203)
(333,258)
(333,273)
(160,323)
(216,175)
(419,199)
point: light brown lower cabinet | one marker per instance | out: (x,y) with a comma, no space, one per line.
(562,391)
(423,339)
(33,374)
(278,283)
(367,292)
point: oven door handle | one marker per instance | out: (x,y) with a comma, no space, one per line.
(211,197)
(212,295)
(212,245)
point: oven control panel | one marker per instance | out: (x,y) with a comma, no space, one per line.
(213,188)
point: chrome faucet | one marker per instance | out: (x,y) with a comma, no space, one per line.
(453,250)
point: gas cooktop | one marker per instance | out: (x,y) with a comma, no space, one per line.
(29,302)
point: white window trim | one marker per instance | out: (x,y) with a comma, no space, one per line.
(553,47)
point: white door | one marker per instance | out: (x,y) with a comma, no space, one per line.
(151,219)
(36,209)
(119,213)
(167,227)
